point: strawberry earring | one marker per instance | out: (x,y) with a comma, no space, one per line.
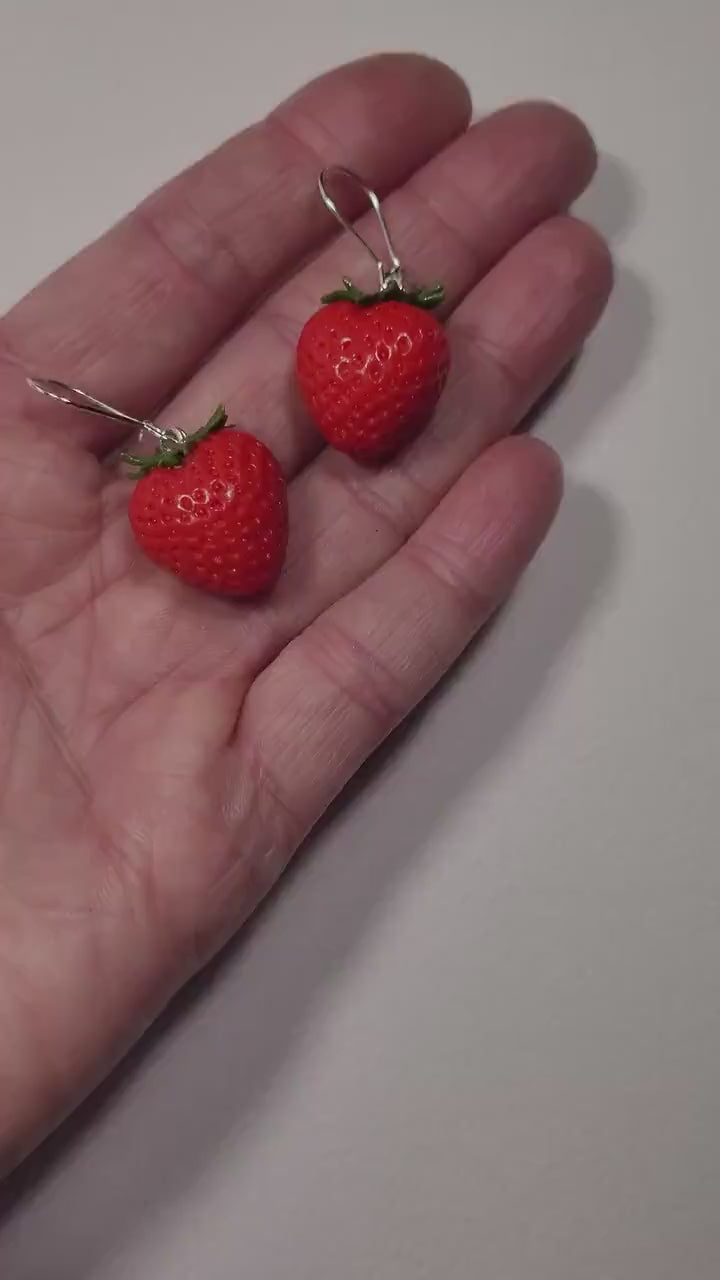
(210,506)
(371,366)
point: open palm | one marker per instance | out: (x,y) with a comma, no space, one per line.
(163,751)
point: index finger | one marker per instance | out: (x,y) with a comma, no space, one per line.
(134,314)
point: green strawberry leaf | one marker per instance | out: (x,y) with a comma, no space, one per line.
(172,453)
(427,298)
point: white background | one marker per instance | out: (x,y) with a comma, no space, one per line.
(477,1033)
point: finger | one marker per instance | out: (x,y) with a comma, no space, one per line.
(453,220)
(135,313)
(344,684)
(510,338)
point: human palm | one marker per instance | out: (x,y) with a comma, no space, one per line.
(165,751)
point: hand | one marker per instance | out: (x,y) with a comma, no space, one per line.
(164,752)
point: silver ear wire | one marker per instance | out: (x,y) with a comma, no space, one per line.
(86,403)
(389,273)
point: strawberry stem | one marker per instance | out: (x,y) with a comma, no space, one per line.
(426,298)
(172,452)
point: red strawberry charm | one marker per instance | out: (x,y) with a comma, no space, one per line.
(211,507)
(371,369)
(371,366)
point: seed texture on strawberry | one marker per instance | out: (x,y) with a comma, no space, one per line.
(371,368)
(212,509)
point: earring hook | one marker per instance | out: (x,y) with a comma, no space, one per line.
(388,275)
(86,403)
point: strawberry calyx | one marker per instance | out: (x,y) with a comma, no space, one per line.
(175,446)
(426,298)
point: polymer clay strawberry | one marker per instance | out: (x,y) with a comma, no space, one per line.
(371,367)
(211,507)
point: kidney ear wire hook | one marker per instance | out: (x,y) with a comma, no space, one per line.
(168,437)
(390,273)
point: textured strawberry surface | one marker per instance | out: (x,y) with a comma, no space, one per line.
(219,519)
(371,375)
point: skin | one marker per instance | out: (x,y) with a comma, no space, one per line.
(164,752)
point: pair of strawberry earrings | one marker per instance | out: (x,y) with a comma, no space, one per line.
(210,506)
